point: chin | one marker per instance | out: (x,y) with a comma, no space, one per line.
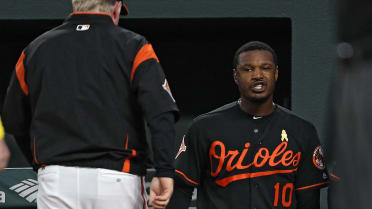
(258,100)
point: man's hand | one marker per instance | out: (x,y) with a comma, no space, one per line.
(4,154)
(160,192)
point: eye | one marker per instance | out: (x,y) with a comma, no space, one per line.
(267,67)
(246,68)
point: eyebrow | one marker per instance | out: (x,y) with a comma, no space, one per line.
(250,65)
(265,63)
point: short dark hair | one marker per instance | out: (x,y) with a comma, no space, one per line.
(254,45)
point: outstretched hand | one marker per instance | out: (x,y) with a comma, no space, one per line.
(161,191)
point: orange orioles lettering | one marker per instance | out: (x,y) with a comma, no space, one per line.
(280,155)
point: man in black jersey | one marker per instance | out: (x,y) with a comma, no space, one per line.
(250,153)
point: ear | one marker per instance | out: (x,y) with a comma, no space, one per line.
(116,12)
(235,76)
(276,73)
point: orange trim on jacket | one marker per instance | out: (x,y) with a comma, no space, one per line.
(145,53)
(337,178)
(184,176)
(126,165)
(20,72)
(35,157)
(311,186)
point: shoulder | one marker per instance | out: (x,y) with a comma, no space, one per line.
(128,34)
(48,36)
(215,115)
(129,41)
(296,122)
(210,120)
(49,40)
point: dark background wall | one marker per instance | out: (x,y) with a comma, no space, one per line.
(213,29)
(195,41)
(196,54)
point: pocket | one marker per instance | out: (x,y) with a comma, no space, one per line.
(118,184)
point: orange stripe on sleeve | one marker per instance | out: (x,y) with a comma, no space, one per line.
(311,186)
(20,72)
(184,176)
(334,177)
(145,53)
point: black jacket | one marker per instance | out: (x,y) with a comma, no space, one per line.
(81,92)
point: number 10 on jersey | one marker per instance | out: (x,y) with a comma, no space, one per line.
(287,191)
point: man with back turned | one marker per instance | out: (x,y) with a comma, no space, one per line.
(77,103)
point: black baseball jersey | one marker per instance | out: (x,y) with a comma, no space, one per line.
(80,94)
(238,161)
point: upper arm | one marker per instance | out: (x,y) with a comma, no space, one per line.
(191,158)
(150,84)
(16,110)
(311,175)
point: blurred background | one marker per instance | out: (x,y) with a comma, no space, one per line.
(195,42)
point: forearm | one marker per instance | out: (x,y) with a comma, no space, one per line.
(16,116)
(163,138)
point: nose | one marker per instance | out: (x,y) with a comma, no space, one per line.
(257,74)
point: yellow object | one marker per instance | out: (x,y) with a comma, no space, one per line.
(284,136)
(2,133)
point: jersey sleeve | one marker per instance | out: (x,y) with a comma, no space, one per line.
(191,158)
(181,197)
(163,136)
(16,113)
(311,175)
(150,84)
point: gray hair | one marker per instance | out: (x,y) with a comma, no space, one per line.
(93,5)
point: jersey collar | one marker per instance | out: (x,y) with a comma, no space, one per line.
(89,17)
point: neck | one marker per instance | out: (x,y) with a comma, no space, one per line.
(257,109)
(92,12)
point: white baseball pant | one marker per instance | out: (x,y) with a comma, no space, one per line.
(62,187)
